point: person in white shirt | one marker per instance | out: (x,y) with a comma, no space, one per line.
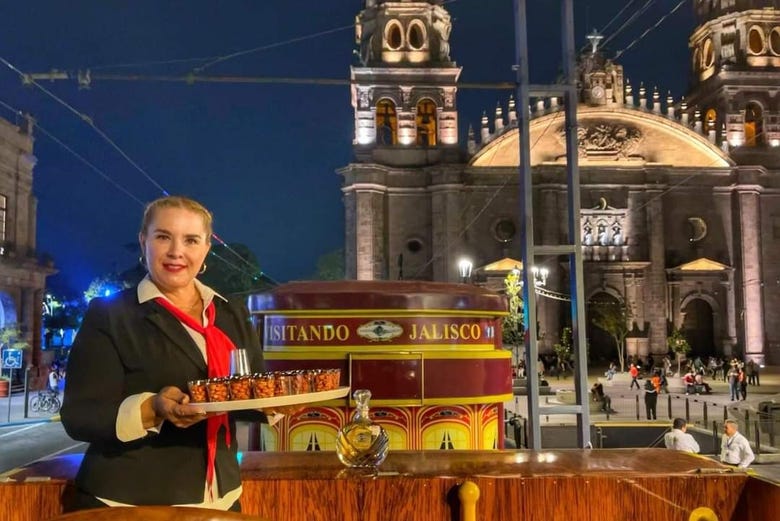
(735,448)
(54,381)
(679,439)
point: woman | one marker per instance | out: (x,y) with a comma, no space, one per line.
(128,372)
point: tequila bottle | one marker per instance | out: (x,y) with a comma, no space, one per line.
(362,443)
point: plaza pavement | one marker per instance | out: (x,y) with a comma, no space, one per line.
(629,406)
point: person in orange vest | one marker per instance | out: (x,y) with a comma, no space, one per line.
(634,372)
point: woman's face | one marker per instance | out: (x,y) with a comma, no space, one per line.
(175,246)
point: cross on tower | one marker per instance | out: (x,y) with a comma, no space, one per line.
(595,38)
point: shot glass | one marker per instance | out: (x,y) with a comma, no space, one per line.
(239,363)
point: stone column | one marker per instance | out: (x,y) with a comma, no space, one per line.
(370,233)
(446,224)
(749,273)
(655,309)
(731,317)
(350,233)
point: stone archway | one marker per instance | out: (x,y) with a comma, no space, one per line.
(698,327)
(601,345)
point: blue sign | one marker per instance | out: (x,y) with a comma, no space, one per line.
(12,359)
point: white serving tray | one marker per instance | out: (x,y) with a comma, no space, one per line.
(268,403)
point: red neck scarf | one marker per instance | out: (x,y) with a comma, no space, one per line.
(218,348)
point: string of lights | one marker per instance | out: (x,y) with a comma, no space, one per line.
(639,12)
(617,16)
(214,60)
(650,29)
(254,270)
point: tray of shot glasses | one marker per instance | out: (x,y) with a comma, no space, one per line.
(266,390)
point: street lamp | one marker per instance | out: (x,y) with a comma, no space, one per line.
(540,275)
(464,270)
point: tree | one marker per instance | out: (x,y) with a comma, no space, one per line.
(613,317)
(513,325)
(563,349)
(679,346)
(232,269)
(330,266)
(104,286)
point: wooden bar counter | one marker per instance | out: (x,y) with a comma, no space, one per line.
(567,485)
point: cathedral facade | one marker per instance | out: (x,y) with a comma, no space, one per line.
(681,200)
(22,276)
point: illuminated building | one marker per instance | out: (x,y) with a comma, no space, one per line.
(681,200)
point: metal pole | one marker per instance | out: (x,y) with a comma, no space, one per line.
(577,281)
(687,411)
(715,444)
(26,391)
(669,405)
(637,406)
(747,423)
(526,212)
(704,412)
(10,393)
(758,438)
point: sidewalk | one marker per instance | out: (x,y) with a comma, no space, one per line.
(624,400)
(14,415)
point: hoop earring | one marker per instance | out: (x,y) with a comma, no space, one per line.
(202,269)
(142,261)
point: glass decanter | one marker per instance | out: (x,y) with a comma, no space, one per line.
(361,443)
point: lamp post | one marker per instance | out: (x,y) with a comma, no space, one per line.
(464,270)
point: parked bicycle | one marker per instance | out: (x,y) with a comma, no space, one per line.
(45,401)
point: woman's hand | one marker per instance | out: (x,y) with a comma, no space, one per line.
(169,405)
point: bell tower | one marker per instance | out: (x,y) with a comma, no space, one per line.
(735,73)
(404,86)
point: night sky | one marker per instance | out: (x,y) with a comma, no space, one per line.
(261,157)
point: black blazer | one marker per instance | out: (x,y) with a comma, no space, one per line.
(125,348)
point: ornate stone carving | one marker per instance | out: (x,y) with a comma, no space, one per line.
(604,140)
(449,99)
(364,98)
(442,25)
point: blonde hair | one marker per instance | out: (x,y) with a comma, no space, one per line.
(176,201)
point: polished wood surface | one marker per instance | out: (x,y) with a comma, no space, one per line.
(567,485)
(154,514)
(471,463)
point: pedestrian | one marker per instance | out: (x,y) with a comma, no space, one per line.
(597,392)
(651,399)
(679,439)
(751,371)
(734,447)
(733,379)
(611,371)
(54,381)
(634,372)
(743,383)
(128,371)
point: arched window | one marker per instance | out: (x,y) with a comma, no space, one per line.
(754,125)
(394,35)
(416,35)
(426,123)
(756,42)
(386,123)
(709,54)
(774,41)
